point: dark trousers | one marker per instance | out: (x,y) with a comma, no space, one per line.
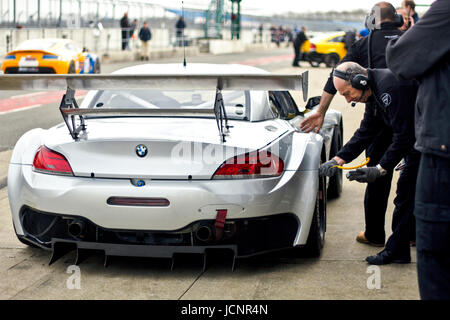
(377,193)
(297,55)
(432,211)
(124,39)
(398,242)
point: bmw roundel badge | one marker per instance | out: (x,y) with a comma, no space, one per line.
(141,150)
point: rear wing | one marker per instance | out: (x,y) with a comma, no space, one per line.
(69,107)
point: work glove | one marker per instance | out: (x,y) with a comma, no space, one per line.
(369,174)
(327,169)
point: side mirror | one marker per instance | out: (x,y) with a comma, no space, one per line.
(312,102)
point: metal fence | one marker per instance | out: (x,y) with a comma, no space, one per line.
(74,13)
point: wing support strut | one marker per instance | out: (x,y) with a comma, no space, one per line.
(220,113)
(68,102)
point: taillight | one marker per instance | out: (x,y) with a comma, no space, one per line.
(312,46)
(52,162)
(261,164)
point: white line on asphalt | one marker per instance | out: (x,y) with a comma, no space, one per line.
(27,95)
(21,109)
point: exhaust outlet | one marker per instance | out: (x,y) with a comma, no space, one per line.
(76,228)
(205,233)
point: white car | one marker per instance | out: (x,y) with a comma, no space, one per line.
(164,159)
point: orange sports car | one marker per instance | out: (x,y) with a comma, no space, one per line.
(50,56)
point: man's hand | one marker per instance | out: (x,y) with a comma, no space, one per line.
(369,174)
(313,122)
(328,168)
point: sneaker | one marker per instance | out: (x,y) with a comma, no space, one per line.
(361,237)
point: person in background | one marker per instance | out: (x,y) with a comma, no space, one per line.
(300,38)
(349,38)
(423,53)
(125,27)
(409,7)
(406,23)
(145,35)
(363,33)
(261,29)
(180,26)
(289,37)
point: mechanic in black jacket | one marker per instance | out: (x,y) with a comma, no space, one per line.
(377,193)
(424,54)
(392,102)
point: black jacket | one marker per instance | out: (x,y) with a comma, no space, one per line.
(392,106)
(145,34)
(299,39)
(124,23)
(423,53)
(358,52)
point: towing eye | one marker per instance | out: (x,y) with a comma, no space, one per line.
(355,167)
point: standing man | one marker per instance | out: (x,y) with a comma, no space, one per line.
(145,35)
(125,26)
(391,104)
(260,30)
(300,38)
(377,192)
(180,26)
(407,60)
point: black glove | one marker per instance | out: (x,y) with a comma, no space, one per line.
(369,174)
(327,169)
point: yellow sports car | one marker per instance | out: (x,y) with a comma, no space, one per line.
(50,56)
(329,49)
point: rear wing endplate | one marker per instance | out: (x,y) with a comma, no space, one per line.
(70,110)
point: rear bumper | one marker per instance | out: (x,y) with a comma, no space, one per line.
(28,70)
(245,237)
(44,66)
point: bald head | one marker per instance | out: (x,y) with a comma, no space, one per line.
(344,86)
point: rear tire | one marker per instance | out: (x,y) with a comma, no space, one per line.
(314,63)
(331,60)
(335,183)
(316,236)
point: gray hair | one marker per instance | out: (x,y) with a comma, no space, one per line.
(351,68)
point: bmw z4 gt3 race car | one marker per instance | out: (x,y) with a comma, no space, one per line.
(164,159)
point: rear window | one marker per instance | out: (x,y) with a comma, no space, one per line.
(38,44)
(236,102)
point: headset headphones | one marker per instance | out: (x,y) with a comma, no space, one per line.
(370,21)
(357,80)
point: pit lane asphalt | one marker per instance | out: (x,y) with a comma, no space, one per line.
(340,272)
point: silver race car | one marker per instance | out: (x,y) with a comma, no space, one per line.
(162,159)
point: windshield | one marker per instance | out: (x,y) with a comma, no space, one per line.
(236,102)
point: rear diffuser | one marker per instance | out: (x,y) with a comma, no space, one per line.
(60,247)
